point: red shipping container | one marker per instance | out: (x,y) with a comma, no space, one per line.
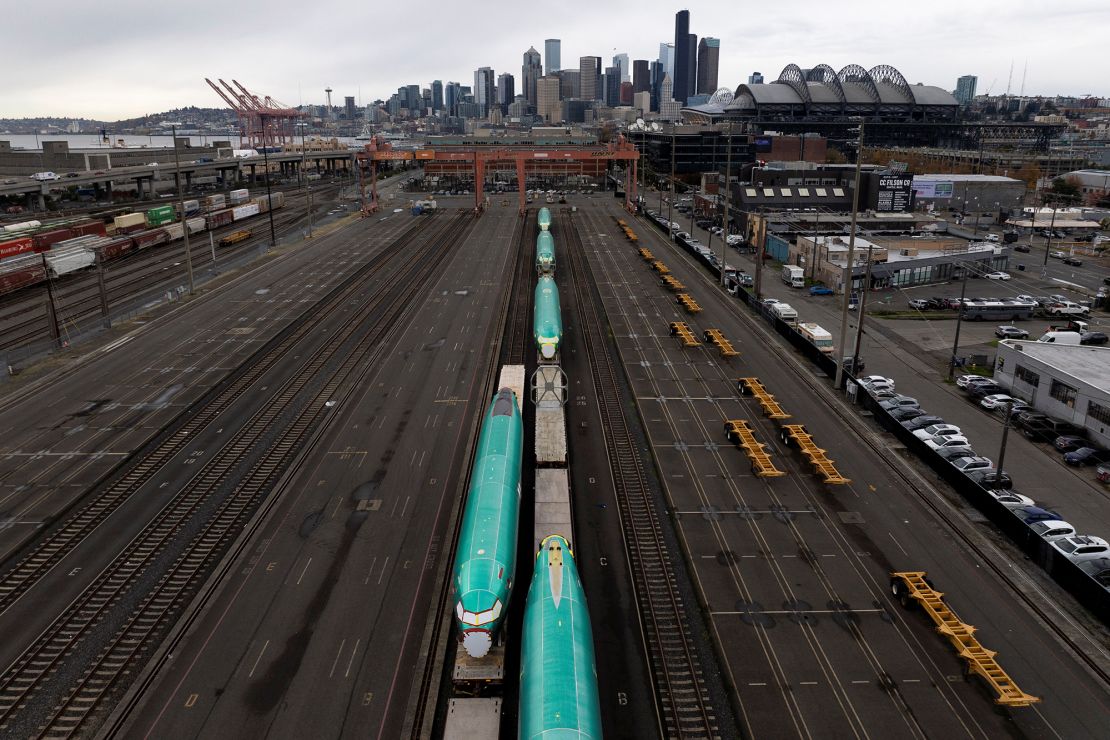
(113,249)
(47,238)
(85,228)
(17,246)
(220,218)
(145,239)
(16,279)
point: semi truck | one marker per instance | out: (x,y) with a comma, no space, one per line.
(818,336)
(793,276)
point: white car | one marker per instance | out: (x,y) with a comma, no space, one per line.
(869,380)
(1011,500)
(734,240)
(946,441)
(997,275)
(936,430)
(1051,530)
(972,463)
(1025,298)
(1080,547)
(965,381)
(997,401)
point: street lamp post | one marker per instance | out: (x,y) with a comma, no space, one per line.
(181,208)
(304,179)
(848,268)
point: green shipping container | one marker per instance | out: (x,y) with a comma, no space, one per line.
(160,215)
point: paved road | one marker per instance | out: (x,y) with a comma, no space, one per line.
(794,575)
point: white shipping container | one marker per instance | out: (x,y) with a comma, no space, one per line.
(240,212)
(129,219)
(215,202)
(175,230)
(239,196)
(195,225)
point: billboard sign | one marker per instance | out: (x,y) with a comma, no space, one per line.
(895,194)
(933,188)
(762,143)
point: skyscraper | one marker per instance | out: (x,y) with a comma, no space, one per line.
(666,58)
(349,104)
(641,76)
(484,89)
(683,77)
(755,78)
(551,52)
(657,71)
(965,89)
(666,91)
(437,95)
(569,83)
(612,87)
(452,95)
(620,61)
(506,90)
(547,98)
(709,54)
(530,71)
(413,100)
(589,78)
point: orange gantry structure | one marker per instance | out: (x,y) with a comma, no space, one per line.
(526,159)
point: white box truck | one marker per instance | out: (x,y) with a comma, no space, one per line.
(785,312)
(820,338)
(793,276)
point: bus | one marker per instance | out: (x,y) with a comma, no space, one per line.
(997,310)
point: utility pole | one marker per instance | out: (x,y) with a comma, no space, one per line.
(839,380)
(269,200)
(103,289)
(304,181)
(181,210)
(959,321)
(1002,448)
(724,222)
(51,310)
(862,310)
(670,205)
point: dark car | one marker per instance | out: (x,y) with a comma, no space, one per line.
(1021,248)
(1030,514)
(1049,429)
(1069,442)
(905,414)
(951,454)
(1020,420)
(1087,456)
(920,422)
(977,391)
(1073,261)
(990,478)
(1011,332)
(1093,337)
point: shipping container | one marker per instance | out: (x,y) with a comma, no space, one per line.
(22,226)
(195,225)
(21,271)
(236,197)
(277,200)
(214,202)
(219,218)
(144,239)
(45,239)
(16,246)
(245,211)
(160,216)
(175,231)
(129,222)
(191,207)
(113,248)
(85,228)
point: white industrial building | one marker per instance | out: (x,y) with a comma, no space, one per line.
(1070,382)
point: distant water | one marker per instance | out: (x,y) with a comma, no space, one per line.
(92,141)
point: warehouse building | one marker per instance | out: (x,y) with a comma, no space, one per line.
(1067,382)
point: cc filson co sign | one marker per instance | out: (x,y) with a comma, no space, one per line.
(895,194)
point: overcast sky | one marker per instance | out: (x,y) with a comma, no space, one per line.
(129,57)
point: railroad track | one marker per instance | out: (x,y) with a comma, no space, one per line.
(114,615)
(519,329)
(683,698)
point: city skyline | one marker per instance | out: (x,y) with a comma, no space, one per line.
(98,75)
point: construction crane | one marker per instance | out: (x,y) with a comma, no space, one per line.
(262,121)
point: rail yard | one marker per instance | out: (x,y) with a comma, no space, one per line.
(478,475)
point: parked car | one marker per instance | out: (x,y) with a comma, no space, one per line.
(1021,248)
(1069,442)
(920,422)
(1099,569)
(1011,332)
(1080,547)
(1073,261)
(1057,254)
(970,463)
(906,414)
(1031,514)
(869,380)
(967,380)
(1102,472)
(947,441)
(936,430)
(1093,337)
(881,392)
(821,290)
(1028,417)
(996,401)
(1052,529)
(997,275)
(919,304)
(899,402)
(981,390)
(1087,456)
(1049,429)
(1011,500)
(990,478)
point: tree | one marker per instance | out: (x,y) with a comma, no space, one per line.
(1066,189)
(833,156)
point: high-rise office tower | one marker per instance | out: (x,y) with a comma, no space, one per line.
(657,72)
(547,98)
(412,96)
(612,86)
(551,52)
(569,83)
(709,54)
(437,95)
(349,105)
(506,90)
(485,87)
(755,78)
(589,78)
(626,93)
(965,89)
(641,75)
(620,61)
(683,77)
(666,91)
(530,71)
(666,58)
(452,95)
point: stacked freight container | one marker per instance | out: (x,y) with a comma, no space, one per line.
(160,216)
(214,203)
(238,197)
(191,207)
(276,200)
(129,222)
